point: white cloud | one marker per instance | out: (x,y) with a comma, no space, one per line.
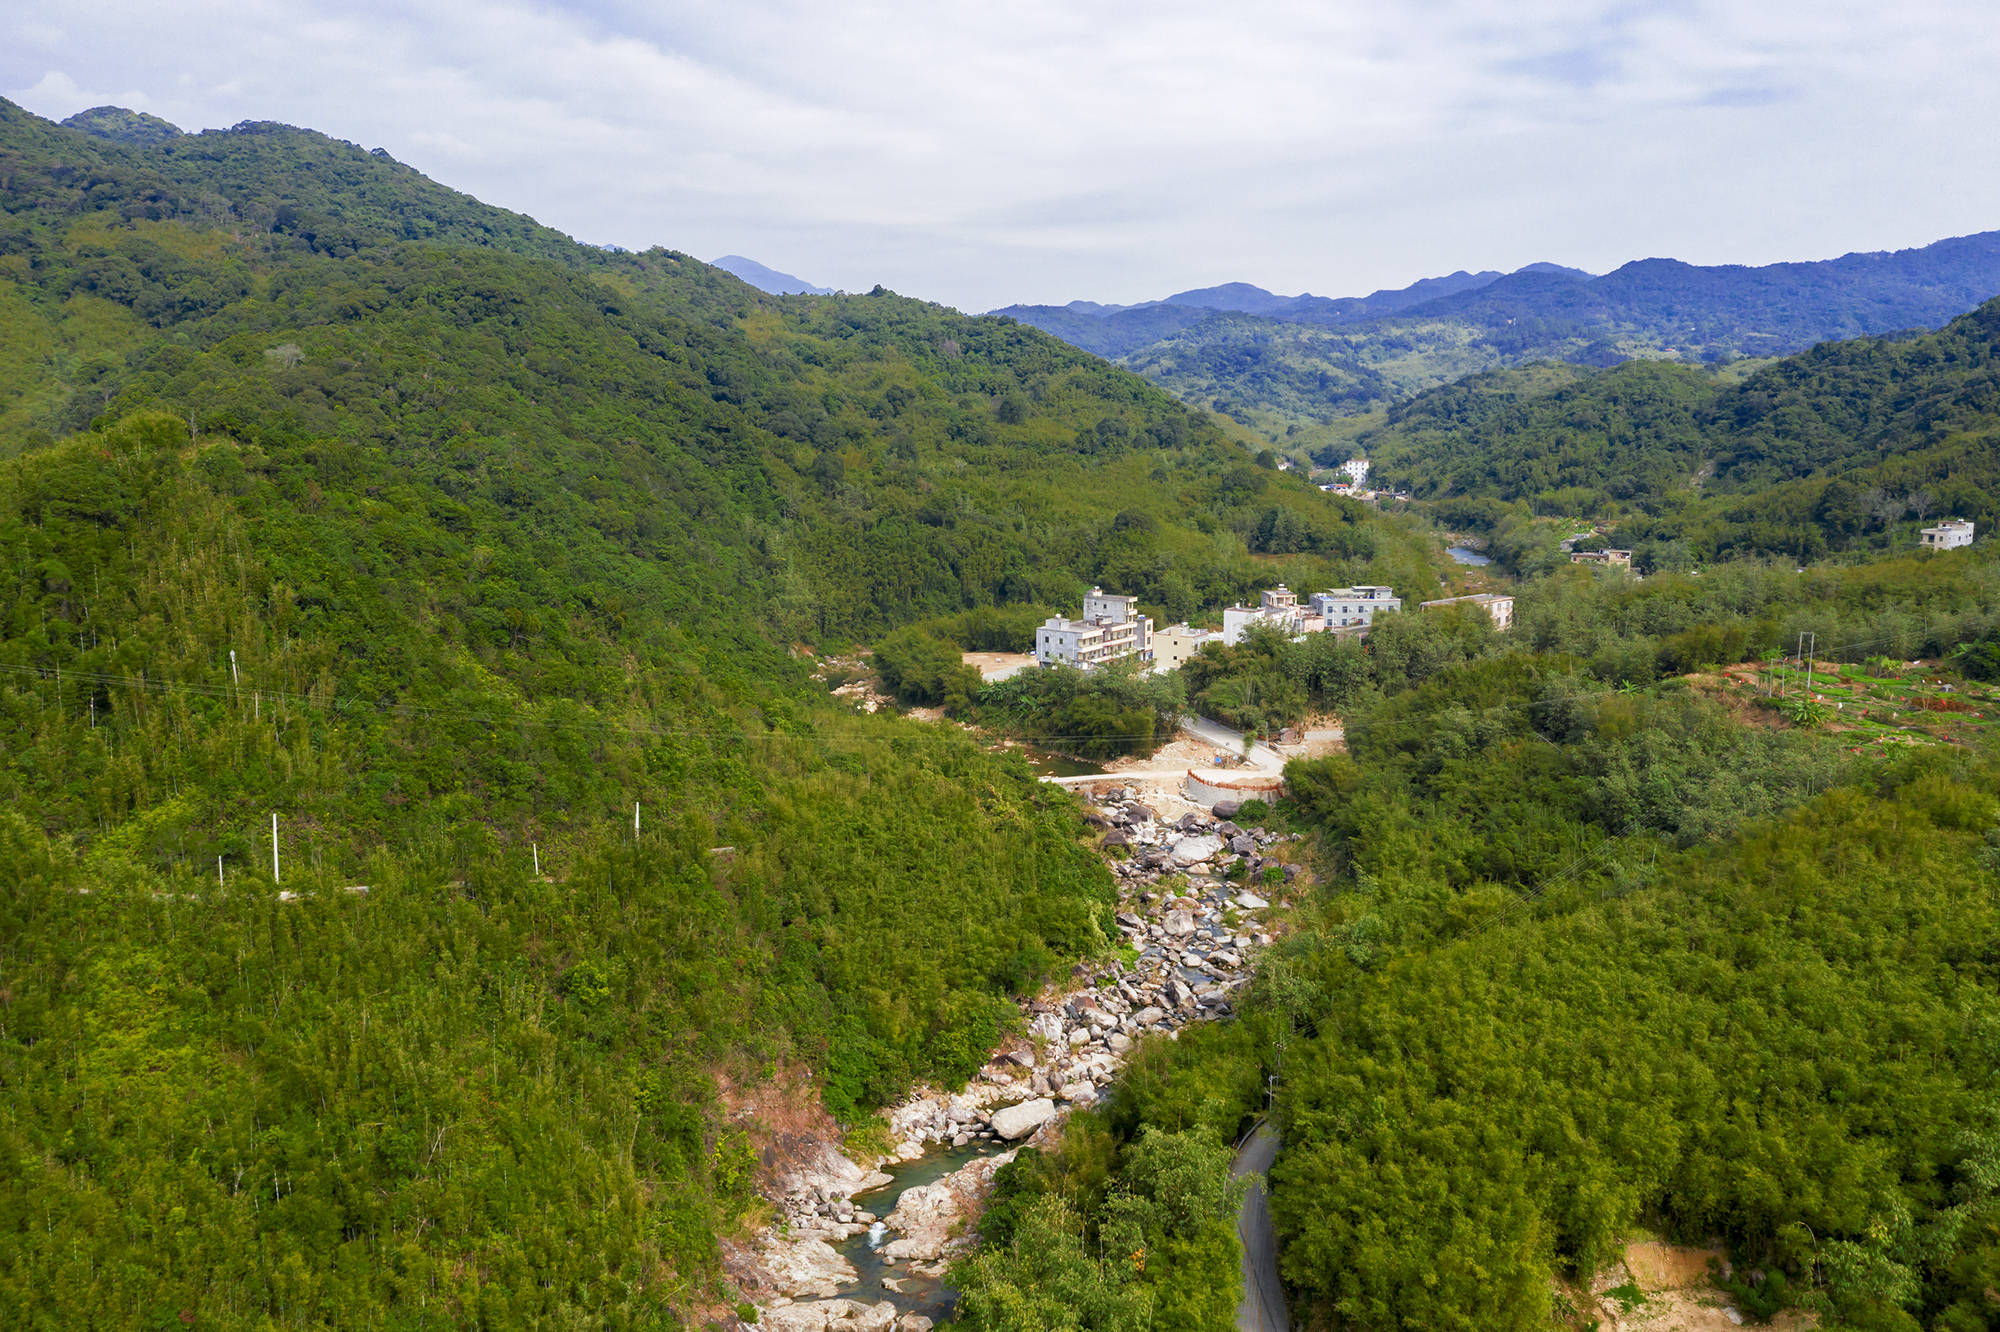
(984,153)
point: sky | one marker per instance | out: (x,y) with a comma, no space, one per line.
(982,154)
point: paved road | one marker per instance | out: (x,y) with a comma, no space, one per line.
(1262,756)
(1262,1308)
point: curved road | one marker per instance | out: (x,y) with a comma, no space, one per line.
(1262,756)
(1262,1308)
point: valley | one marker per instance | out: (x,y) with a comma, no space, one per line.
(784,909)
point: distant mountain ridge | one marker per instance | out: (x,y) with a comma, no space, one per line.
(767,279)
(1276,363)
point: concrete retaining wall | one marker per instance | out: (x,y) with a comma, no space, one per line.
(1207,788)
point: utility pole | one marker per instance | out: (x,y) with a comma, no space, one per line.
(274,848)
(536,847)
(635,820)
(218,873)
(234,681)
(1808,646)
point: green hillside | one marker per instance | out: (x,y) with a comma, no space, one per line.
(1848,446)
(330,493)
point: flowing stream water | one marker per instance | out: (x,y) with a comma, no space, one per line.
(922,1295)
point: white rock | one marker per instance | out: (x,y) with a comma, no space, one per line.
(831,1316)
(1018,1121)
(1195,850)
(1251,902)
(807,1267)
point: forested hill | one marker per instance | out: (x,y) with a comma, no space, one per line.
(1279,364)
(467,551)
(1850,444)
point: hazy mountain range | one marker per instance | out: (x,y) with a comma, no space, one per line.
(767,279)
(1278,362)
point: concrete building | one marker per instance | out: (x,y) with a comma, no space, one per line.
(1610,559)
(1175,644)
(1277,607)
(1356,469)
(1342,607)
(1498,608)
(1947,535)
(1109,630)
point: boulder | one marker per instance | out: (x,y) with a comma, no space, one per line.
(1149,1016)
(802,1268)
(1227,809)
(1226,829)
(1243,844)
(1082,1091)
(1178,923)
(1114,838)
(1196,850)
(831,1316)
(914,1322)
(1118,1042)
(1143,813)
(1018,1121)
(1251,902)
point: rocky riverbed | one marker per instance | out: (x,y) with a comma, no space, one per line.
(1196,934)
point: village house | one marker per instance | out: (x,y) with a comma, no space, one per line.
(1344,607)
(1109,630)
(1947,535)
(1277,607)
(1174,645)
(1498,607)
(1608,558)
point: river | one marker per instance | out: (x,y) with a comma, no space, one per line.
(919,1294)
(1467,555)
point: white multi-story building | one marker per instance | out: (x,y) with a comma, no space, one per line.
(1947,535)
(1344,607)
(1356,469)
(1109,630)
(1277,607)
(1498,607)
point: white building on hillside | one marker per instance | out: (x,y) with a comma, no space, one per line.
(1499,608)
(1947,535)
(1343,607)
(1109,630)
(1356,469)
(1277,607)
